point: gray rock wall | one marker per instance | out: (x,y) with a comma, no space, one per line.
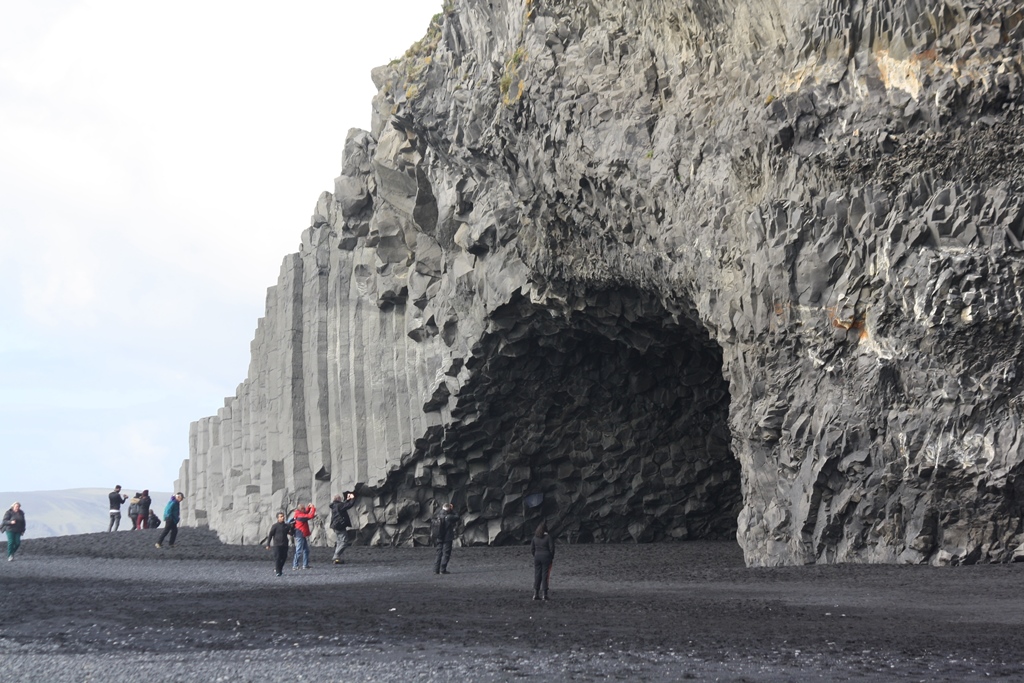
(655,271)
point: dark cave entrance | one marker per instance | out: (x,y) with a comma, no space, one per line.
(611,424)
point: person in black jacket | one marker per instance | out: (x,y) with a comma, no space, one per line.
(340,522)
(447,522)
(277,538)
(145,502)
(542,547)
(14,526)
(116,500)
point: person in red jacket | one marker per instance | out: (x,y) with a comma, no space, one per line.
(302,517)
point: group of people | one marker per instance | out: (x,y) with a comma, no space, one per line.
(298,528)
(13,524)
(443,530)
(139,510)
(142,515)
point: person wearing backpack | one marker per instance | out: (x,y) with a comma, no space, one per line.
(302,517)
(445,524)
(133,510)
(340,522)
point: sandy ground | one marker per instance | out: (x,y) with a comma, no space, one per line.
(98,606)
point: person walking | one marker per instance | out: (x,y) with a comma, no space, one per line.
(172,515)
(542,547)
(340,522)
(277,538)
(302,517)
(14,526)
(145,502)
(116,500)
(445,522)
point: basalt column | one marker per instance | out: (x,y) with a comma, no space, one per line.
(336,385)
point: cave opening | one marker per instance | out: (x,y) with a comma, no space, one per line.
(609,423)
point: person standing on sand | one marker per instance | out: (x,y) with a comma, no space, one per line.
(116,500)
(340,522)
(302,517)
(542,547)
(133,510)
(144,504)
(172,515)
(14,526)
(277,538)
(446,523)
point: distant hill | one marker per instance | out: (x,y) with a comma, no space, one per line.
(72,511)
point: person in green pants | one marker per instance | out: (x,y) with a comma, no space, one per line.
(14,526)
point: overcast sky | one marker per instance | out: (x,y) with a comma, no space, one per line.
(157,162)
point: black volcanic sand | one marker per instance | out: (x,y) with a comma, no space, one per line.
(98,606)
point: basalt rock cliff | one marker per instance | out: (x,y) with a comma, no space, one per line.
(660,270)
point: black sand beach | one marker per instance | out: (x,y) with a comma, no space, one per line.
(105,606)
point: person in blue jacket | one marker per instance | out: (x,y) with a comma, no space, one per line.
(172,515)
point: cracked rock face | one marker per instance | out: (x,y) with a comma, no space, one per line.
(660,271)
